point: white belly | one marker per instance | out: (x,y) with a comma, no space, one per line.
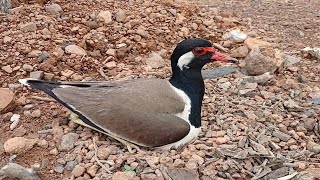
(194,132)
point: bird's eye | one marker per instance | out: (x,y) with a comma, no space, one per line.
(198,51)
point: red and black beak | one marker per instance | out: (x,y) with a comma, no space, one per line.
(218,56)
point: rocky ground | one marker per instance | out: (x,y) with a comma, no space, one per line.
(259,122)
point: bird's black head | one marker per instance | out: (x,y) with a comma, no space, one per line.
(194,54)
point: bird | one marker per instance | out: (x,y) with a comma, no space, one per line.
(143,112)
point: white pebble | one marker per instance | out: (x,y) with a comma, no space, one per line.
(15,117)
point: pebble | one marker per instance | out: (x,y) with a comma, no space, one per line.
(178,163)
(282,136)
(34,54)
(252,43)
(15,119)
(120,15)
(240,52)
(43,143)
(123,176)
(7,39)
(70,165)
(36,75)
(19,145)
(27,67)
(78,171)
(68,141)
(7,69)
(221,140)
(92,170)
(236,36)
(28,27)
(142,32)
(59,169)
(155,60)
(258,64)
(106,16)
(74,49)
(43,56)
(53,8)
(36,113)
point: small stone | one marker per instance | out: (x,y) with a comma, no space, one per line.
(92,170)
(15,118)
(7,69)
(123,176)
(173,12)
(111,52)
(257,63)
(53,8)
(178,163)
(68,141)
(19,145)
(59,169)
(36,113)
(235,35)
(152,161)
(48,76)
(34,54)
(19,132)
(70,165)
(252,43)
(155,60)
(43,143)
(167,161)
(36,75)
(142,32)
(27,67)
(54,152)
(120,15)
(78,171)
(282,136)
(7,39)
(43,56)
(103,153)
(111,64)
(313,147)
(67,73)
(221,140)
(225,85)
(105,16)
(46,32)
(74,49)
(28,27)
(92,24)
(6,99)
(240,52)
(302,78)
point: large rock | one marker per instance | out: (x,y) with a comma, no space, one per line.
(258,64)
(256,43)
(155,60)
(19,145)
(74,49)
(6,99)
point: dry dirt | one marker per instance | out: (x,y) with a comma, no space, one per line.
(250,129)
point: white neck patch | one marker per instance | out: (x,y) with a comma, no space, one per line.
(185,59)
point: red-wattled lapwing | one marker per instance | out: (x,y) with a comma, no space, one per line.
(146,112)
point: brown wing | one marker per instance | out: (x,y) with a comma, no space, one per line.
(140,111)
